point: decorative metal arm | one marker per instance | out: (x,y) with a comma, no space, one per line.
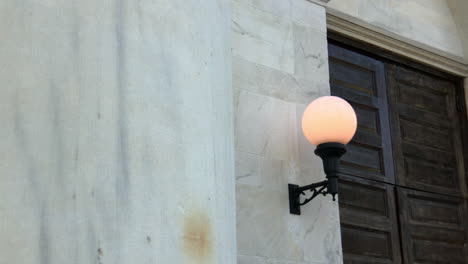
(330,154)
(295,193)
(315,191)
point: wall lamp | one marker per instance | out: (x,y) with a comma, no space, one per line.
(329,123)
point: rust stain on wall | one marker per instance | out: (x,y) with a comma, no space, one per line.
(198,237)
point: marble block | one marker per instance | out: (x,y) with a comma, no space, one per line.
(274,83)
(266,228)
(310,55)
(265,126)
(262,38)
(301,12)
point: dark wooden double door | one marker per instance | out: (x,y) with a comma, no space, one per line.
(403,192)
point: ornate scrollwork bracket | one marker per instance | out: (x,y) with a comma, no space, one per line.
(330,154)
(295,193)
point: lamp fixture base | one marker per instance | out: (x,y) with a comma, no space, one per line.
(294,207)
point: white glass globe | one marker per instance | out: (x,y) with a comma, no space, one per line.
(329,119)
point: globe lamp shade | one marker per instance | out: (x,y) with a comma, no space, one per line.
(329,119)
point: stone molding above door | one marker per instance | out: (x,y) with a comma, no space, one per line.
(354,28)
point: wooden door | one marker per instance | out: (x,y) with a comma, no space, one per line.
(429,163)
(361,81)
(367,202)
(403,196)
(426,132)
(369,231)
(433,227)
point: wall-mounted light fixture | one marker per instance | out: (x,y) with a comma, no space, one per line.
(329,123)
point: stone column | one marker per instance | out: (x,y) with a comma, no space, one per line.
(116,143)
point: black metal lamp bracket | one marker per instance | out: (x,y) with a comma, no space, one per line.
(330,154)
(295,192)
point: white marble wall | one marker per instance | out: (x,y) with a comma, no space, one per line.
(431,22)
(459,10)
(280,63)
(116,143)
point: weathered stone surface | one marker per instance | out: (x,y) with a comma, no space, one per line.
(117,139)
(262,38)
(277,84)
(310,57)
(270,148)
(298,11)
(264,229)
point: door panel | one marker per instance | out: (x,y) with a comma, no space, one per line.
(402,198)
(368,221)
(426,134)
(361,81)
(433,227)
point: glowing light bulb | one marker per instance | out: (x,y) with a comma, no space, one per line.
(329,119)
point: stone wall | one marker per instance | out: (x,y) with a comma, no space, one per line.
(116,144)
(116,139)
(459,10)
(280,64)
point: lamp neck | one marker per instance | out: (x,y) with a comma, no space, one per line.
(331,155)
